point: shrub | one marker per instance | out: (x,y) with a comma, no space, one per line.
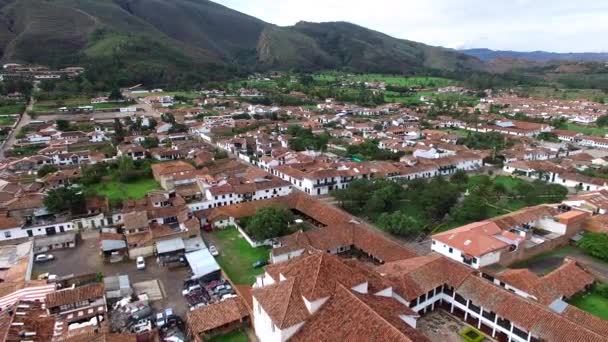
(595,244)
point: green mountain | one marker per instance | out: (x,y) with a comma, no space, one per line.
(167,38)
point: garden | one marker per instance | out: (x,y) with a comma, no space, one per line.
(423,206)
(237,256)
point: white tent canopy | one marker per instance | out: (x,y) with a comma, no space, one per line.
(202,263)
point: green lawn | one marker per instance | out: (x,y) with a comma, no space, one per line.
(408,81)
(233,336)
(588,130)
(237,256)
(117,191)
(592,302)
(16,108)
(7,120)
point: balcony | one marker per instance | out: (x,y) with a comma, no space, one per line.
(319,185)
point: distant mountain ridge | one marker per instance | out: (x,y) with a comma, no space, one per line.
(161,36)
(537,56)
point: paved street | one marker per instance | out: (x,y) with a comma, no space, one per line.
(85,258)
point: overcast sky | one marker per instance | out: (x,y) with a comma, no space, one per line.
(522,25)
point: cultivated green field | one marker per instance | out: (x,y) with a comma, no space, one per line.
(568,94)
(397,80)
(588,130)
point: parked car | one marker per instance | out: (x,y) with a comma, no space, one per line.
(162,318)
(213,250)
(190,289)
(260,263)
(142,327)
(143,313)
(44,257)
(141,263)
(47,276)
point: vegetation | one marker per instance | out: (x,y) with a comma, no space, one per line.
(65,200)
(369,150)
(594,301)
(233,336)
(117,191)
(45,170)
(237,256)
(303,139)
(418,206)
(595,244)
(471,334)
(485,141)
(268,223)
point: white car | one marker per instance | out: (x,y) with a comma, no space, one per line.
(141,263)
(190,289)
(44,257)
(213,250)
(142,327)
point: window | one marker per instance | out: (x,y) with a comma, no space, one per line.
(488,315)
(460,299)
(7,234)
(474,308)
(451,250)
(520,333)
(30,233)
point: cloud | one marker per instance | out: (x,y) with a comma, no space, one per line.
(524,25)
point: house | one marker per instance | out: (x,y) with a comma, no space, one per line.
(294,301)
(507,238)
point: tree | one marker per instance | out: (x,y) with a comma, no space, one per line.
(150,142)
(399,223)
(115,95)
(63,125)
(595,244)
(152,123)
(119,131)
(548,136)
(602,121)
(460,177)
(269,222)
(65,200)
(45,170)
(473,208)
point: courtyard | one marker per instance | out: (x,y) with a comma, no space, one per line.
(439,325)
(236,255)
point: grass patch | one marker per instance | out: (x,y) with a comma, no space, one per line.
(7,120)
(237,256)
(16,108)
(472,335)
(404,81)
(588,130)
(592,302)
(233,336)
(117,191)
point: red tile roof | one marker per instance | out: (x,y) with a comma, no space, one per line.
(350,316)
(216,315)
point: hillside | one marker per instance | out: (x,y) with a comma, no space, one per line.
(164,38)
(536,56)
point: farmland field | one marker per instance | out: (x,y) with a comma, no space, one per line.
(404,81)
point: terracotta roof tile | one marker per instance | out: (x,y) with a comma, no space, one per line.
(349,316)
(216,315)
(67,296)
